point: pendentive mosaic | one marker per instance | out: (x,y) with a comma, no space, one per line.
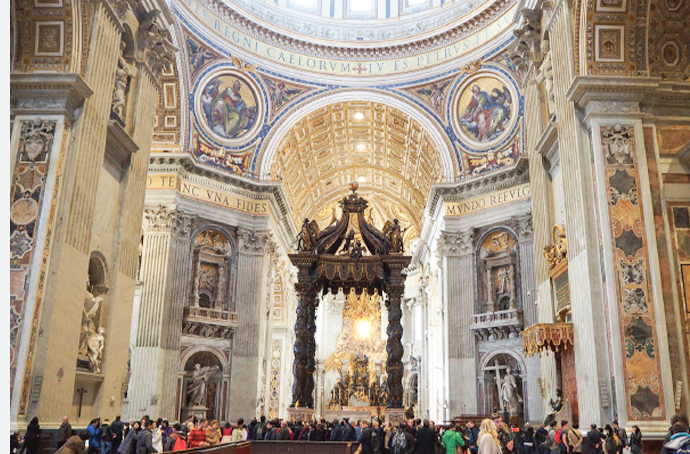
(633,282)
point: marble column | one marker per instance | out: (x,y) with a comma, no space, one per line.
(305,346)
(246,370)
(394,347)
(460,284)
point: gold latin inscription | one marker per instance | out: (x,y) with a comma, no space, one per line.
(487,201)
(206,194)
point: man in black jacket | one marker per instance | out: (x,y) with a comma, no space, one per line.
(144,444)
(116,433)
(426,439)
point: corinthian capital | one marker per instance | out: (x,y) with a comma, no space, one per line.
(454,244)
(523,227)
(183,224)
(255,243)
(159,219)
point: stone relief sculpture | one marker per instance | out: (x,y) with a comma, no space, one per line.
(122,75)
(558,251)
(36,136)
(196,391)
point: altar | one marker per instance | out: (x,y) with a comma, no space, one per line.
(355,413)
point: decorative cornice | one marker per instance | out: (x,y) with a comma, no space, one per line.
(48,94)
(184,162)
(457,191)
(610,96)
(548,144)
(120,146)
(260,32)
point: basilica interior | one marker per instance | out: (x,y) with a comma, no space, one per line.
(350,208)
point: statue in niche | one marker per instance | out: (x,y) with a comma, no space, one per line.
(95,344)
(546,75)
(89,324)
(196,390)
(122,76)
(504,284)
(510,397)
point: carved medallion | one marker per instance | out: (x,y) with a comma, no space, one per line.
(23,211)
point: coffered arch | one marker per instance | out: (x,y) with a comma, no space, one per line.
(393,158)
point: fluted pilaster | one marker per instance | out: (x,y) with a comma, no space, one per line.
(458,250)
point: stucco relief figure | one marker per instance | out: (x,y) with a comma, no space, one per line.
(95,344)
(122,75)
(546,75)
(196,391)
(487,115)
(510,397)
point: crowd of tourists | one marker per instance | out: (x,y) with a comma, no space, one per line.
(414,436)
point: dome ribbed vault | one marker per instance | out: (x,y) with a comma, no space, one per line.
(388,153)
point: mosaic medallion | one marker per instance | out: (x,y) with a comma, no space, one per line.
(485,110)
(228,106)
(23,211)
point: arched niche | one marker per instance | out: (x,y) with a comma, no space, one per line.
(491,383)
(203,383)
(212,258)
(498,271)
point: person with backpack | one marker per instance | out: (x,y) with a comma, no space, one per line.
(612,441)
(574,439)
(679,442)
(452,439)
(400,441)
(177,441)
(106,437)
(622,436)
(144,440)
(562,438)
(259,429)
(553,443)
(368,439)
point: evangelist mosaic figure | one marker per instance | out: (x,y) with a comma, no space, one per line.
(487,115)
(230,110)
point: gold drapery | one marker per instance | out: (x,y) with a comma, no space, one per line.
(547,336)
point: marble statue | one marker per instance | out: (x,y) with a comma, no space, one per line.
(122,75)
(196,391)
(88,326)
(95,343)
(510,397)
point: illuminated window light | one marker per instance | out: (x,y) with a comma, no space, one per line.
(363,328)
(361,146)
(361,179)
(359,115)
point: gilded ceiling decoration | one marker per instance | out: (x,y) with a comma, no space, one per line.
(390,155)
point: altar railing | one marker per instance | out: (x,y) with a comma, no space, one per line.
(498,324)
